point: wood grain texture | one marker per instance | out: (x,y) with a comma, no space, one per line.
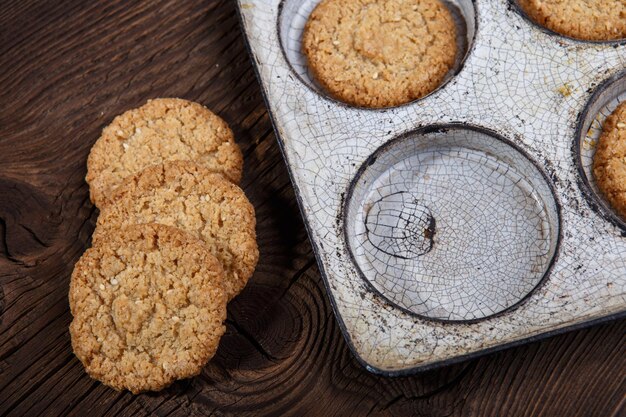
(66,69)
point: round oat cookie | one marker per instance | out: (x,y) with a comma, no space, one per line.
(161,130)
(198,201)
(609,161)
(594,20)
(374,53)
(148,306)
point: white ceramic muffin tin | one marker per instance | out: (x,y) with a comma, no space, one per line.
(464,221)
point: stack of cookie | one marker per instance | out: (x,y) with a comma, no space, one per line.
(174,242)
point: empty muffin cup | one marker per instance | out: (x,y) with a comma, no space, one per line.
(452,223)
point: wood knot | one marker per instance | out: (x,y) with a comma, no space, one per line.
(2,302)
(29,222)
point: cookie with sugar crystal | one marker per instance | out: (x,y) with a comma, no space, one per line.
(594,20)
(164,129)
(192,198)
(374,53)
(148,307)
(609,161)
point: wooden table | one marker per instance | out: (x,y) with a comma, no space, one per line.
(66,69)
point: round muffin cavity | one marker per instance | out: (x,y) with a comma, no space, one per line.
(373,53)
(198,201)
(609,161)
(148,306)
(166,129)
(594,20)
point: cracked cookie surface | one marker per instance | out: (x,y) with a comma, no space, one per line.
(373,53)
(198,201)
(148,306)
(595,20)
(609,161)
(162,130)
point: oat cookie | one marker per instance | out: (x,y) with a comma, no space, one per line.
(609,162)
(148,306)
(161,130)
(198,201)
(595,20)
(380,53)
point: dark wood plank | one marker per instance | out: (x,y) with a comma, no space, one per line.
(66,69)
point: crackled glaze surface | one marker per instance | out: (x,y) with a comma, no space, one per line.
(526,85)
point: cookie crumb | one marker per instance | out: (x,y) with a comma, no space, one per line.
(565,90)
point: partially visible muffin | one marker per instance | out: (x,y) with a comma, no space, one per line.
(609,161)
(380,53)
(594,20)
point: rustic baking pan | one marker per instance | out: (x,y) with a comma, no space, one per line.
(467,220)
